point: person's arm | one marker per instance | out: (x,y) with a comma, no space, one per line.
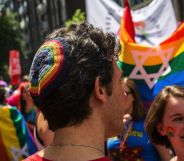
(165,153)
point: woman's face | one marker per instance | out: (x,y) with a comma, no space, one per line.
(130,98)
(173,123)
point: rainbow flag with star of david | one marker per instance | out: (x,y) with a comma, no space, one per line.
(151,67)
(16,142)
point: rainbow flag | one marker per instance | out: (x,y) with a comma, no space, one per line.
(151,67)
(16,141)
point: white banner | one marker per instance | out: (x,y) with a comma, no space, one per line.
(153,23)
(104,14)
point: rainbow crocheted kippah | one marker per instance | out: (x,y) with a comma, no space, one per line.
(49,68)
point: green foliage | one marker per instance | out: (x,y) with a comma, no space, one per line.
(10,38)
(78,17)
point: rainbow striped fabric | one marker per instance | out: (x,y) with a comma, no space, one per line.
(16,142)
(151,67)
(49,68)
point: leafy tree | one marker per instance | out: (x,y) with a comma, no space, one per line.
(10,38)
(78,17)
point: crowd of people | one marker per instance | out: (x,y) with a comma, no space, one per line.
(77,105)
(134,143)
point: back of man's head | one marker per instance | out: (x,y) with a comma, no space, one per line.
(64,70)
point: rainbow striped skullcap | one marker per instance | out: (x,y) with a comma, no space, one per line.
(49,68)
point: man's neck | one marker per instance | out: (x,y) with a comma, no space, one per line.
(83,142)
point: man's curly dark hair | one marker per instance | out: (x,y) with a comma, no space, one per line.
(91,55)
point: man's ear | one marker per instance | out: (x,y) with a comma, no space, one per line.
(99,90)
(161,130)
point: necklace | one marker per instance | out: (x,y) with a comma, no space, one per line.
(78,145)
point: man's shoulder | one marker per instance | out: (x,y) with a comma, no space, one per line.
(102,159)
(36,157)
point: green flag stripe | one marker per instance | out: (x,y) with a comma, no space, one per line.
(18,122)
(176,65)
